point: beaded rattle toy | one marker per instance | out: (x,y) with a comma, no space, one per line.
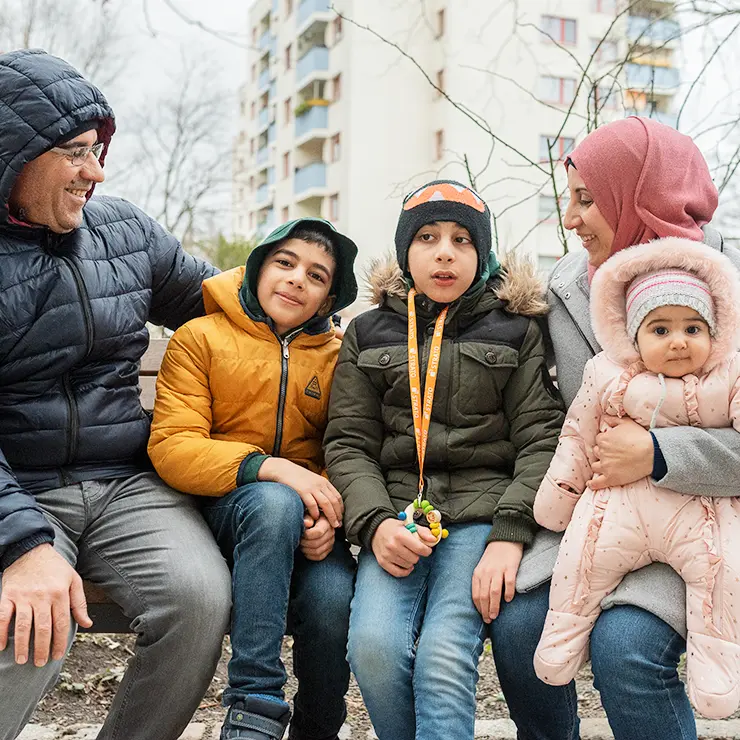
(420,509)
(416,511)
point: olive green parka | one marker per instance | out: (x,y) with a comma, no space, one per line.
(496,415)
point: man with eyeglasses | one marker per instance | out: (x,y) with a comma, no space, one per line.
(79,278)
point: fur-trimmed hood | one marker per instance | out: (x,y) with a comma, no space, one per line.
(519,285)
(608,305)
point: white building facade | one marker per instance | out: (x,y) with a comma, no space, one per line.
(340,116)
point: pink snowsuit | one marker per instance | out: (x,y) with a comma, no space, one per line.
(616,530)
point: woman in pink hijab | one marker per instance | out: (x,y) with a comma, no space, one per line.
(630,182)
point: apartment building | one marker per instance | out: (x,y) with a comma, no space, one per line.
(343,112)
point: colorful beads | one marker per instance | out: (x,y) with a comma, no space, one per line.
(415,514)
(402,515)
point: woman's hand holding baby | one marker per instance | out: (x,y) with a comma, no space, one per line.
(624,454)
(397,550)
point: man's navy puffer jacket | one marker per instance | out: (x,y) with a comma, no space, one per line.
(73,309)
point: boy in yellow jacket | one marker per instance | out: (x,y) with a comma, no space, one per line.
(241,409)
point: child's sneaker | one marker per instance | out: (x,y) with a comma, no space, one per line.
(256,718)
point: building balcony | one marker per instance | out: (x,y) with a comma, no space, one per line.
(273,91)
(271,176)
(641,76)
(669,119)
(266,225)
(262,156)
(263,118)
(308,7)
(315,119)
(315,60)
(264,79)
(271,133)
(309,178)
(646,30)
(265,41)
(261,194)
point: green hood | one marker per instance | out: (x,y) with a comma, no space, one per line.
(344,287)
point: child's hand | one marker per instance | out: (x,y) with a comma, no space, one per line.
(318,539)
(499,565)
(315,491)
(398,550)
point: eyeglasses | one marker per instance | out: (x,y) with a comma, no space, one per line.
(78,154)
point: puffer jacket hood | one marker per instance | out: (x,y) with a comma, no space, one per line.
(44,98)
(221,294)
(517,284)
(608,305)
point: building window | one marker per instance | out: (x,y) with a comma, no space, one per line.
(604,6)
(336,88)
(252,110)
(607,98)
(286,214)
(439,144)
(338,30)
(251,146)
(254,35)
(440,23)
(547,208)
(559,90)
(288,7)
(254,72)
(336,148)
(251,184)
(288,57)
(558,148)
(334,207)
(288,110)
(286,165)
(562,30)
(440,83)
(604,51)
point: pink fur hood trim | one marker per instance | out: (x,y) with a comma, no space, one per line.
(608,310)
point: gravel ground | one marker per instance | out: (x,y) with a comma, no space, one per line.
(96,664)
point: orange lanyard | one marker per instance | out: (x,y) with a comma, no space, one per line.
(423,419)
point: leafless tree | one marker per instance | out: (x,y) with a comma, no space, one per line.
(710,28)
(88,33)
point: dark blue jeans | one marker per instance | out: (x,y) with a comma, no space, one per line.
(275,588)
(634,657)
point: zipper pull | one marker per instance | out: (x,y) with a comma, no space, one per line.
(286,351)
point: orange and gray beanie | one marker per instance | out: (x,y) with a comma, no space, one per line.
(445,200)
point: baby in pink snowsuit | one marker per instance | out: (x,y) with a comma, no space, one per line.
(666,314)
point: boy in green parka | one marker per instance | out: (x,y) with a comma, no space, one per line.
(464,387)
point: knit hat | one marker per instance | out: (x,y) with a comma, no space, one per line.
(444,200)
(647,180)
(667,288)
(83,128)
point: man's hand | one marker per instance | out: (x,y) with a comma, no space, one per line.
(624,454)
(318,539)
(41,588)
(499,565)
(398,550)
(315,491)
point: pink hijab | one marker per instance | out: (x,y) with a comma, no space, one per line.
(647,179)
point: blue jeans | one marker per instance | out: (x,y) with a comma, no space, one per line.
(258,527)
(414,642)
(634,657)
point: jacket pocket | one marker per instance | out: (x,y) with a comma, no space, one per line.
(387,368)
(484,371)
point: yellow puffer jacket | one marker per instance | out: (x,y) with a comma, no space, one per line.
(229,389)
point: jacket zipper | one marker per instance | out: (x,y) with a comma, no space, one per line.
(74,423)
(285,351)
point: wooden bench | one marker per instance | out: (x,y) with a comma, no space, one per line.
(105,613)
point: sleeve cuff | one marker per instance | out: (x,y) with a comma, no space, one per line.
(249,468)
(660,467)
(511,529)
(368,531)
(18,549)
